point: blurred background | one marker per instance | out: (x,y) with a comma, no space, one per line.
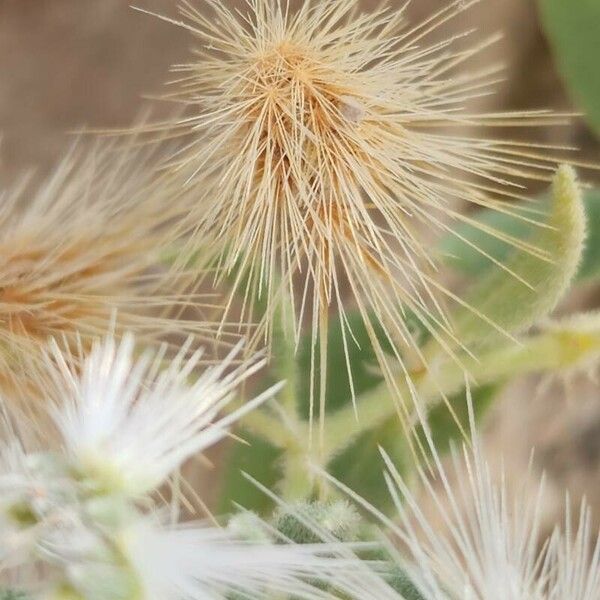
(72,64)
(67,64)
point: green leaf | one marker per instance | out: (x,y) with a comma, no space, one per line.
(590,265)
(359,466)
(508,300)
(447,425)
(362,361)
(463,256)
(573,28)
(260,460)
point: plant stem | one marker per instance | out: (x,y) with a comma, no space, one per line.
(284,362)
(548,351)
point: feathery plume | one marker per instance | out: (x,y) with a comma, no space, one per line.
(325,145)
(81,534)
(476,540)
(131,423)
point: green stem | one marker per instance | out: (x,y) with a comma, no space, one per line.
(284,362)
(268,427)
(298,480)
(562,346)
(549,351)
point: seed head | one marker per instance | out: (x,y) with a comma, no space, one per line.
(325,146)
(79,256)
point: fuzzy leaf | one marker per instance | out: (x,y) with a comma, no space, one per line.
(500,301)
(259,459)
(573,27)
(463,257)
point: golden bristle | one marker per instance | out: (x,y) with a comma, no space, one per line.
(80,256)
(322,143)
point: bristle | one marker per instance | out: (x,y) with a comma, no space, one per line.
(465,534)
(80,256)
(314,160)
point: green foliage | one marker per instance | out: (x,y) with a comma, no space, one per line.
(573,27)
(508,299)
(467,260)
(9,594)
(359,466)
(260,459)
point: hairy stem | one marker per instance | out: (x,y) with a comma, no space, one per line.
(553,351)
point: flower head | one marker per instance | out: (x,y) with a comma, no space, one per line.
(491,548)
(127,423)
(69,530)
(79,257)
(466,536)
(325,145)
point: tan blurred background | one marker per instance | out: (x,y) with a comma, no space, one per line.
(70,64)
(66,64)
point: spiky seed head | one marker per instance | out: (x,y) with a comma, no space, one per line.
(324,148)
(80,256)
